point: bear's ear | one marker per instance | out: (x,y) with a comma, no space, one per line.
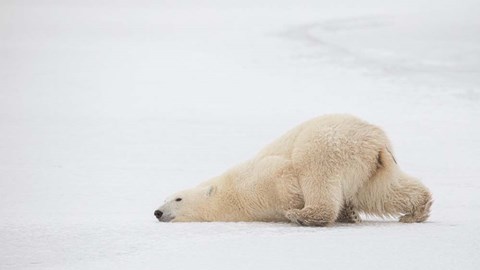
(211,191)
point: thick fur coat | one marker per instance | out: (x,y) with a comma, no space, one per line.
(328,169)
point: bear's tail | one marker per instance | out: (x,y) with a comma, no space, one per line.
(386,158)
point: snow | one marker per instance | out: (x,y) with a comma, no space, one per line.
(107,107)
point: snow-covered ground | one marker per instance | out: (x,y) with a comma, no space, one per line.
(107,107)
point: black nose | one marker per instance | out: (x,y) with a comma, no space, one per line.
(158,213)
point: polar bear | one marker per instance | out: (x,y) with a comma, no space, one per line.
(328,169)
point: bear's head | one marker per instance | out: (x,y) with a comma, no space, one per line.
(189,205)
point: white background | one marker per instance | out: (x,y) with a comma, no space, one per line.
(107,107)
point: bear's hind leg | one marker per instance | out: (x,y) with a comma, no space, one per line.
(323,200)
(404,196)
(420,201)
(412,199)
(420,214)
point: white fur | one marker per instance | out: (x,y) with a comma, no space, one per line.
(326,169)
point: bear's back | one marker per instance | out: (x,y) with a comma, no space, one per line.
(339,130)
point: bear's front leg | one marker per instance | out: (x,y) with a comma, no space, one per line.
(312,216)
(323,201)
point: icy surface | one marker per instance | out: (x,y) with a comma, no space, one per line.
(107,107)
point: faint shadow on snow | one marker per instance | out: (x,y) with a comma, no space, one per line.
(314,35)
(238,229)
(407,50)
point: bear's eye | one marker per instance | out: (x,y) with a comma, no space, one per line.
(178,199)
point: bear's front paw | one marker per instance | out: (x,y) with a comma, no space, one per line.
(294,216)
(309,216)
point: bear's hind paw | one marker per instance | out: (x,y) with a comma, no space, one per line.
(348,215)
(419,215)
